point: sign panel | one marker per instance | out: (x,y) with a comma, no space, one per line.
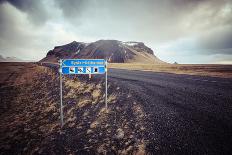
(83,66)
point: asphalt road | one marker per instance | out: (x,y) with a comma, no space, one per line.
(186,114)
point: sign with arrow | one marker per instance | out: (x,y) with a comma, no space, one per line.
(83,66)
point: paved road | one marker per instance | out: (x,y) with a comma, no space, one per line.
(186,114)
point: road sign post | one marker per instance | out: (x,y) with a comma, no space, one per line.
(61,96)
(106,86)
(82,66)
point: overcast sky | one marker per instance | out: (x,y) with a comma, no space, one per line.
(186,31)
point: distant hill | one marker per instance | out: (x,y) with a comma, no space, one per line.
(113,51)
(9,59)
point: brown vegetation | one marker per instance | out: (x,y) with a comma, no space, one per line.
(30,122)
(224,71)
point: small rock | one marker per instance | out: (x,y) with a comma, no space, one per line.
(131,136)
(120,133)
(89,131)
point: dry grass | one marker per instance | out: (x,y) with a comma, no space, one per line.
(30,114)
(224,71)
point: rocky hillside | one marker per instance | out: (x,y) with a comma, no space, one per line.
(113,50)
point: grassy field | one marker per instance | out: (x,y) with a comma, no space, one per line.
(214,70)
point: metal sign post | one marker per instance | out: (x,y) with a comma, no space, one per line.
(81,66)
(106,85)
(61,96)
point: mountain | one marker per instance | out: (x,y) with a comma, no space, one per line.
(113,50)
(9,59)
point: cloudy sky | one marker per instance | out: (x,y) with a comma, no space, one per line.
(186,31)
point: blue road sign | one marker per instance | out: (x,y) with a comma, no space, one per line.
(83,66)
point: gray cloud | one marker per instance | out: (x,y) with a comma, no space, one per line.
(159,21)
(34,8)
(196,27)
(219,39)
(72,8)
